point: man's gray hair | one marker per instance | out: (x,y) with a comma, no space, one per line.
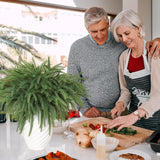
(94,15)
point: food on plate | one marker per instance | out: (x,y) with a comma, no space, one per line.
(56,156)
(82,138)
(130,156)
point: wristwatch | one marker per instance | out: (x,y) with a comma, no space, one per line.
(137,114)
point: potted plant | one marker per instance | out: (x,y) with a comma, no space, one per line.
(45,91)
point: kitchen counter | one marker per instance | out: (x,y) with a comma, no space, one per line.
(13,147)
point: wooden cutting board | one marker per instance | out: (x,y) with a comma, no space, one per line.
(125,141)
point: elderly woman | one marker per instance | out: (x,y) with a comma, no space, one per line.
(138,75)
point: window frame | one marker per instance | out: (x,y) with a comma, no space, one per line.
(50,5)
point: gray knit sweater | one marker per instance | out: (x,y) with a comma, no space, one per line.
(99,65)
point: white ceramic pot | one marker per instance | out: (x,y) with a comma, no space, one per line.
(38,139)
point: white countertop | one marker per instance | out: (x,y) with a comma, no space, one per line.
(14,147)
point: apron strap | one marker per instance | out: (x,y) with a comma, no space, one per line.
(145,71)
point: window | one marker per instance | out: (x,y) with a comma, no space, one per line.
(30,39)
(36,40)
(24,38)
(62,25)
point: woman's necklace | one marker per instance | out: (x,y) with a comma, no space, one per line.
(137,52)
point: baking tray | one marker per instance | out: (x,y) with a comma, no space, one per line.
(46,159)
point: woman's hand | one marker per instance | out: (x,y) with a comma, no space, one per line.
(123,121)
(117,110)
(153,47)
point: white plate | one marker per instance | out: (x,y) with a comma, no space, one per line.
(115,155)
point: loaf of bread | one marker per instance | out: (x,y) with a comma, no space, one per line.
(82,138)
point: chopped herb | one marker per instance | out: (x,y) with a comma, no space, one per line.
(125,131)
(111,134)
(84,124)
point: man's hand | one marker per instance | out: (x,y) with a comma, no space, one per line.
(153,47)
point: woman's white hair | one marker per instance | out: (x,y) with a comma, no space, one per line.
(94,15)
(128,18)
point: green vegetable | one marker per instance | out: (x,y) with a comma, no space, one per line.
(84,124)
(124,131)
(111,134)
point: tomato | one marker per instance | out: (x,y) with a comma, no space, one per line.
(104,127)
(71,114)
(98,126)
(76,114)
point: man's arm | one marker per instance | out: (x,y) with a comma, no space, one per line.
(75,69)
(153,47)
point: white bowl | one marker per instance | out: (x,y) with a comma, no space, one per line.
(111,143)
(60,127)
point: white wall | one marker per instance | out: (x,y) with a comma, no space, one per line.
(155,18)
(143,8)
(111,6)
(145,12)
(130,4)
